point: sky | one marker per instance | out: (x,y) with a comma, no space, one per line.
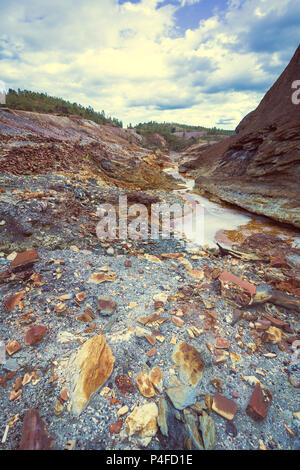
(200,62)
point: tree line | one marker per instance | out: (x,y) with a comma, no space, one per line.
(43,103)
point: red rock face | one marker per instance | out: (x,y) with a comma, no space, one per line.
(34,334)
(34,433)
(266,147)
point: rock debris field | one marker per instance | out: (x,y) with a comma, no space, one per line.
(123,344)
(148,345)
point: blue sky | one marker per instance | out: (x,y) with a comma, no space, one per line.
(203,62)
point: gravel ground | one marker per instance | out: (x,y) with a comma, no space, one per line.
(67,272)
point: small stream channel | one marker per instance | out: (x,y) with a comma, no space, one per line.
(224,223)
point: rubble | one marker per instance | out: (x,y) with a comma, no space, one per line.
(139,343)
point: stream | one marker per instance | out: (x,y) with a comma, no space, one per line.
(223,222)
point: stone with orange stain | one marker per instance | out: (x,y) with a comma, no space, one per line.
(190,363)
(115,428)
(98,278)
(222,343)
(13,300)
(196,273)
(151,352)
(88,370)
(34,334)
(177,321)
(228,278)
(155,376)
(25,258)
(145,385)
(12,347)
(224,407)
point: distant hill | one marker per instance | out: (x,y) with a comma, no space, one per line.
(179,136)
(43,103)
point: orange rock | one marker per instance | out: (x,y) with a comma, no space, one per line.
(229,278)
(89,370)
(12,301)
(222,343)
(224,407)
(64,396)
(177,321)
(34,334)
(151,352)
(259,403)
(15,395)
(106,305)
(80,296)
(145,385)
(197,273)
(18,384)
(150,319)
(124,384)
(151,339)
(171,255)
(12,347)
(190,363)
(22,259)
(98,278)
(84,317)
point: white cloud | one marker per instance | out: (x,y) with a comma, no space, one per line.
(130,61)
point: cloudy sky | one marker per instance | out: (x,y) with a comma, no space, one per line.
(204,62)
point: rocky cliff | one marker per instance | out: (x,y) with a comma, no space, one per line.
(259,168)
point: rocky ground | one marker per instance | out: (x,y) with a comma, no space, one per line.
(144,344)
(132,344)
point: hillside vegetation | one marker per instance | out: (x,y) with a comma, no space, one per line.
(42,103)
